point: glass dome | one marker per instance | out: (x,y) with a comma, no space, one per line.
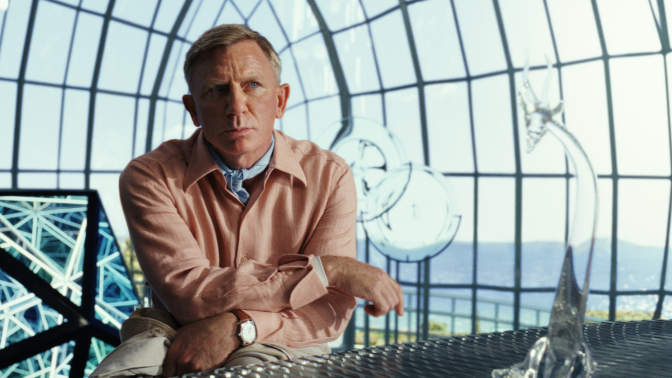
(87,85)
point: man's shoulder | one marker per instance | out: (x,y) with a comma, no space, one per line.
(169,156)
(309,153)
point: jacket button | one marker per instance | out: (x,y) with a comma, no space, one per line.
(243,259)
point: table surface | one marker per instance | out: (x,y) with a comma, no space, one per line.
(622,349)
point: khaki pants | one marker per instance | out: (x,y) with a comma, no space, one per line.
(261,352)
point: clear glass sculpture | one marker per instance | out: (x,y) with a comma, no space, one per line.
(562,353)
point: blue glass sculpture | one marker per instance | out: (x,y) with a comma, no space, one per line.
(79,286)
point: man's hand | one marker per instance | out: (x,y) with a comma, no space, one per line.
(203,345)
(364,281)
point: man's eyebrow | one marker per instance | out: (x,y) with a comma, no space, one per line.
(212,82)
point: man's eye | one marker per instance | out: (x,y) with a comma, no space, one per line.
(218,88)
(254,84)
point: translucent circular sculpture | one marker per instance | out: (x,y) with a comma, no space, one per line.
(417,214)
(371,151)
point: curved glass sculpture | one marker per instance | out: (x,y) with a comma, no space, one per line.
(562,353)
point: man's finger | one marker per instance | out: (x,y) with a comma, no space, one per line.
(168,367)
(400,303)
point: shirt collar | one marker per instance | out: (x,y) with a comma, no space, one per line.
(254,170)
(202,163)
(284,159)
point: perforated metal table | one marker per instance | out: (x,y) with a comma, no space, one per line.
(622,349)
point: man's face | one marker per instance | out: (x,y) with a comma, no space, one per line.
(236,99)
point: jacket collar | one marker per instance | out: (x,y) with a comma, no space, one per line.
(201,162)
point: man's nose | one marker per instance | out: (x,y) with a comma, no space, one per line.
(236,104)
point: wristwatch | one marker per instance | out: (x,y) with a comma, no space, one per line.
(247,330)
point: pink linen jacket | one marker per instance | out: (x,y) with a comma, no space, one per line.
(204,253)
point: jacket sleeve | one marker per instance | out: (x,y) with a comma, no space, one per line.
(280,297)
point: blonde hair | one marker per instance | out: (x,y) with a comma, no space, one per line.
(225,36)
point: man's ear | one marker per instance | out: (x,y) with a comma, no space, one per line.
(283,96)
(190,105)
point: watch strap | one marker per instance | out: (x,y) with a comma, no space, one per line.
(241,315)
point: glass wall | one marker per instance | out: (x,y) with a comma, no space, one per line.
(420,98)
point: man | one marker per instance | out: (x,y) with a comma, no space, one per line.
(241,222)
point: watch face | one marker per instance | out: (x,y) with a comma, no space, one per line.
(248,332)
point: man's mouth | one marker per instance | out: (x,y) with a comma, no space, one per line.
(241,131)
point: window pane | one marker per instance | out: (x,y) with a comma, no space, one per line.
(629,26)
(436,40)
(139,12)
(159,114)
(112,132)
(340,14)
(297,20)
(84,49)
(643,207)
(356,56)
(496,231)
(71,181)
(597,308)
(75,129)
(188,19)
(175,62)
(369,106)
(230,15)
(99,6)
(535,309)
(482,41)
(294,123)
(600,274)
(174,121)
(527,32)
(640,115)
(50,43)
(264,22)
(392,51)
(5,180)
(122,60)
(450,309)
(548,156)
(667,306)
(177,84)
(492,124)
(37,180)
(39,127)
(574,29)
(543,231)
(290,76)
(246,6)
(450,142)
(7,121)
(315,68)
(322,114)
(157,44)
(13,38)
(403,120)
(586,112)
(636,307)
(107,185)
(376,7)
(204,20)
(141,127)
(495,311)
(455,264)
(168,12)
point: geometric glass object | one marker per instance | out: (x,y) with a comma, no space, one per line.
(53,362)
(62,278)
